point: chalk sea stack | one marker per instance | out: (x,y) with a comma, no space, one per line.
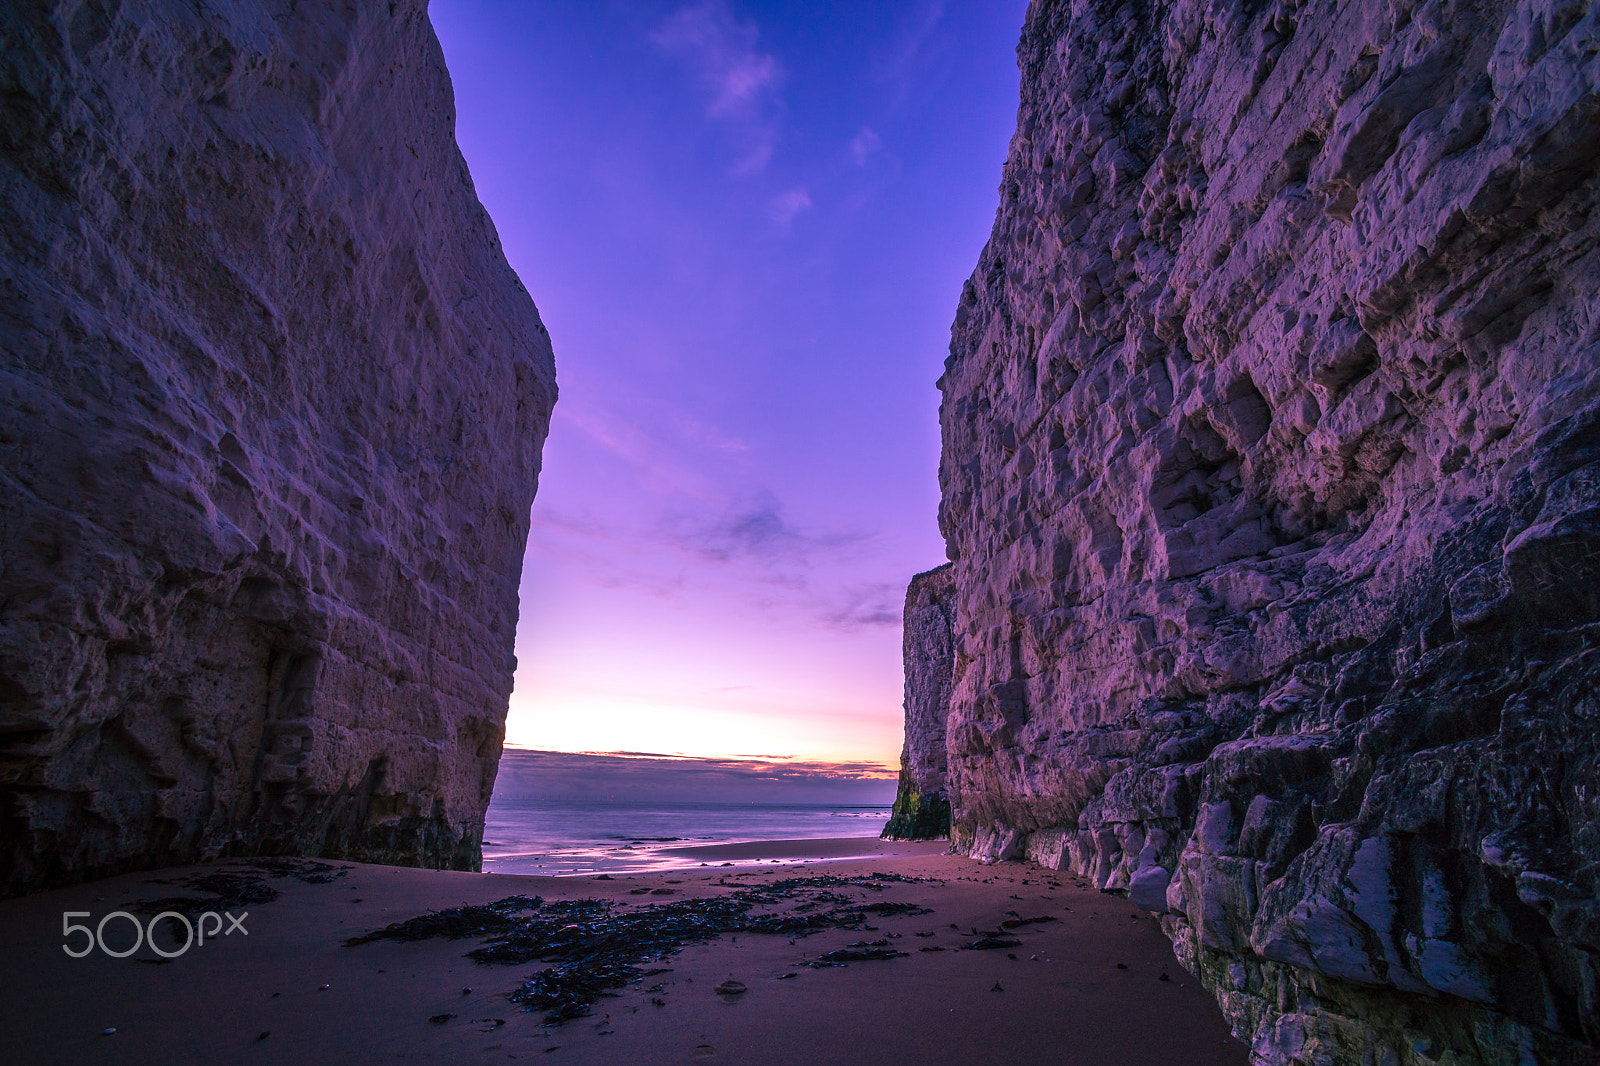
(271,411)
(1271,481)
(922,801)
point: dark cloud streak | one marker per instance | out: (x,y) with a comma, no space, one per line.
(657,777)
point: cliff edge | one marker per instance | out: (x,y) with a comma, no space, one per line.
(1271,477)
(271,411)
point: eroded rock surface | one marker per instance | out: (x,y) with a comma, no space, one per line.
(271,409)
(922,802)
(1272,479)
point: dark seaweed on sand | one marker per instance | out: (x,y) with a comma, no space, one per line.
(565,992)
(309,871)
(224,892)
(597,947)
(844,955)
(456,923)
(229,890)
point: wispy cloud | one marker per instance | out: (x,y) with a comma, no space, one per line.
(864,606)
(864,145)
(786,205)
(741,79)
(783,566)
(658,442)
(600,553)
(692,519)
(916,45)
(756,529)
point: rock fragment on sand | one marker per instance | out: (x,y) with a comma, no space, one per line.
(731,988)
(1017,923)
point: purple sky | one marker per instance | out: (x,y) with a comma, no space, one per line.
(746,227)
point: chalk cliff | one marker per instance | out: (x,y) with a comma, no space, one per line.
(922,801)
(271,410)
(1271,478)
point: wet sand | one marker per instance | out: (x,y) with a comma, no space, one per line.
(780,850)
(289,991)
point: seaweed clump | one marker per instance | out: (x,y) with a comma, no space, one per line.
(597,947)
(456,923)
(229,889)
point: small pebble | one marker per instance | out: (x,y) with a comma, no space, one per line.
(1122,966)
(997,987)
(322,988)
(465,991)
(262,1037)
(108,1032)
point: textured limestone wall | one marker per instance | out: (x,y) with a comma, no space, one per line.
(1272,479)
(922,801)
(271,409)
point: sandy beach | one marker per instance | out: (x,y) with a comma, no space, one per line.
(1096,983)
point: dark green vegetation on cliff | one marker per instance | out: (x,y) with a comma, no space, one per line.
(917,816)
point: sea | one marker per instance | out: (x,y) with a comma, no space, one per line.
(566,837)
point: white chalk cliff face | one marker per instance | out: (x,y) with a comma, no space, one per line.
(271,410)
(1271,479)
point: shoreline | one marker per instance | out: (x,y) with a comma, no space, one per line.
(806,848)
(581,839)
(1083,985)
(666,857)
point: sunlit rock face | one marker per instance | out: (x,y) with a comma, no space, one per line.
(271,409)
(1272,480)
(922,801)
